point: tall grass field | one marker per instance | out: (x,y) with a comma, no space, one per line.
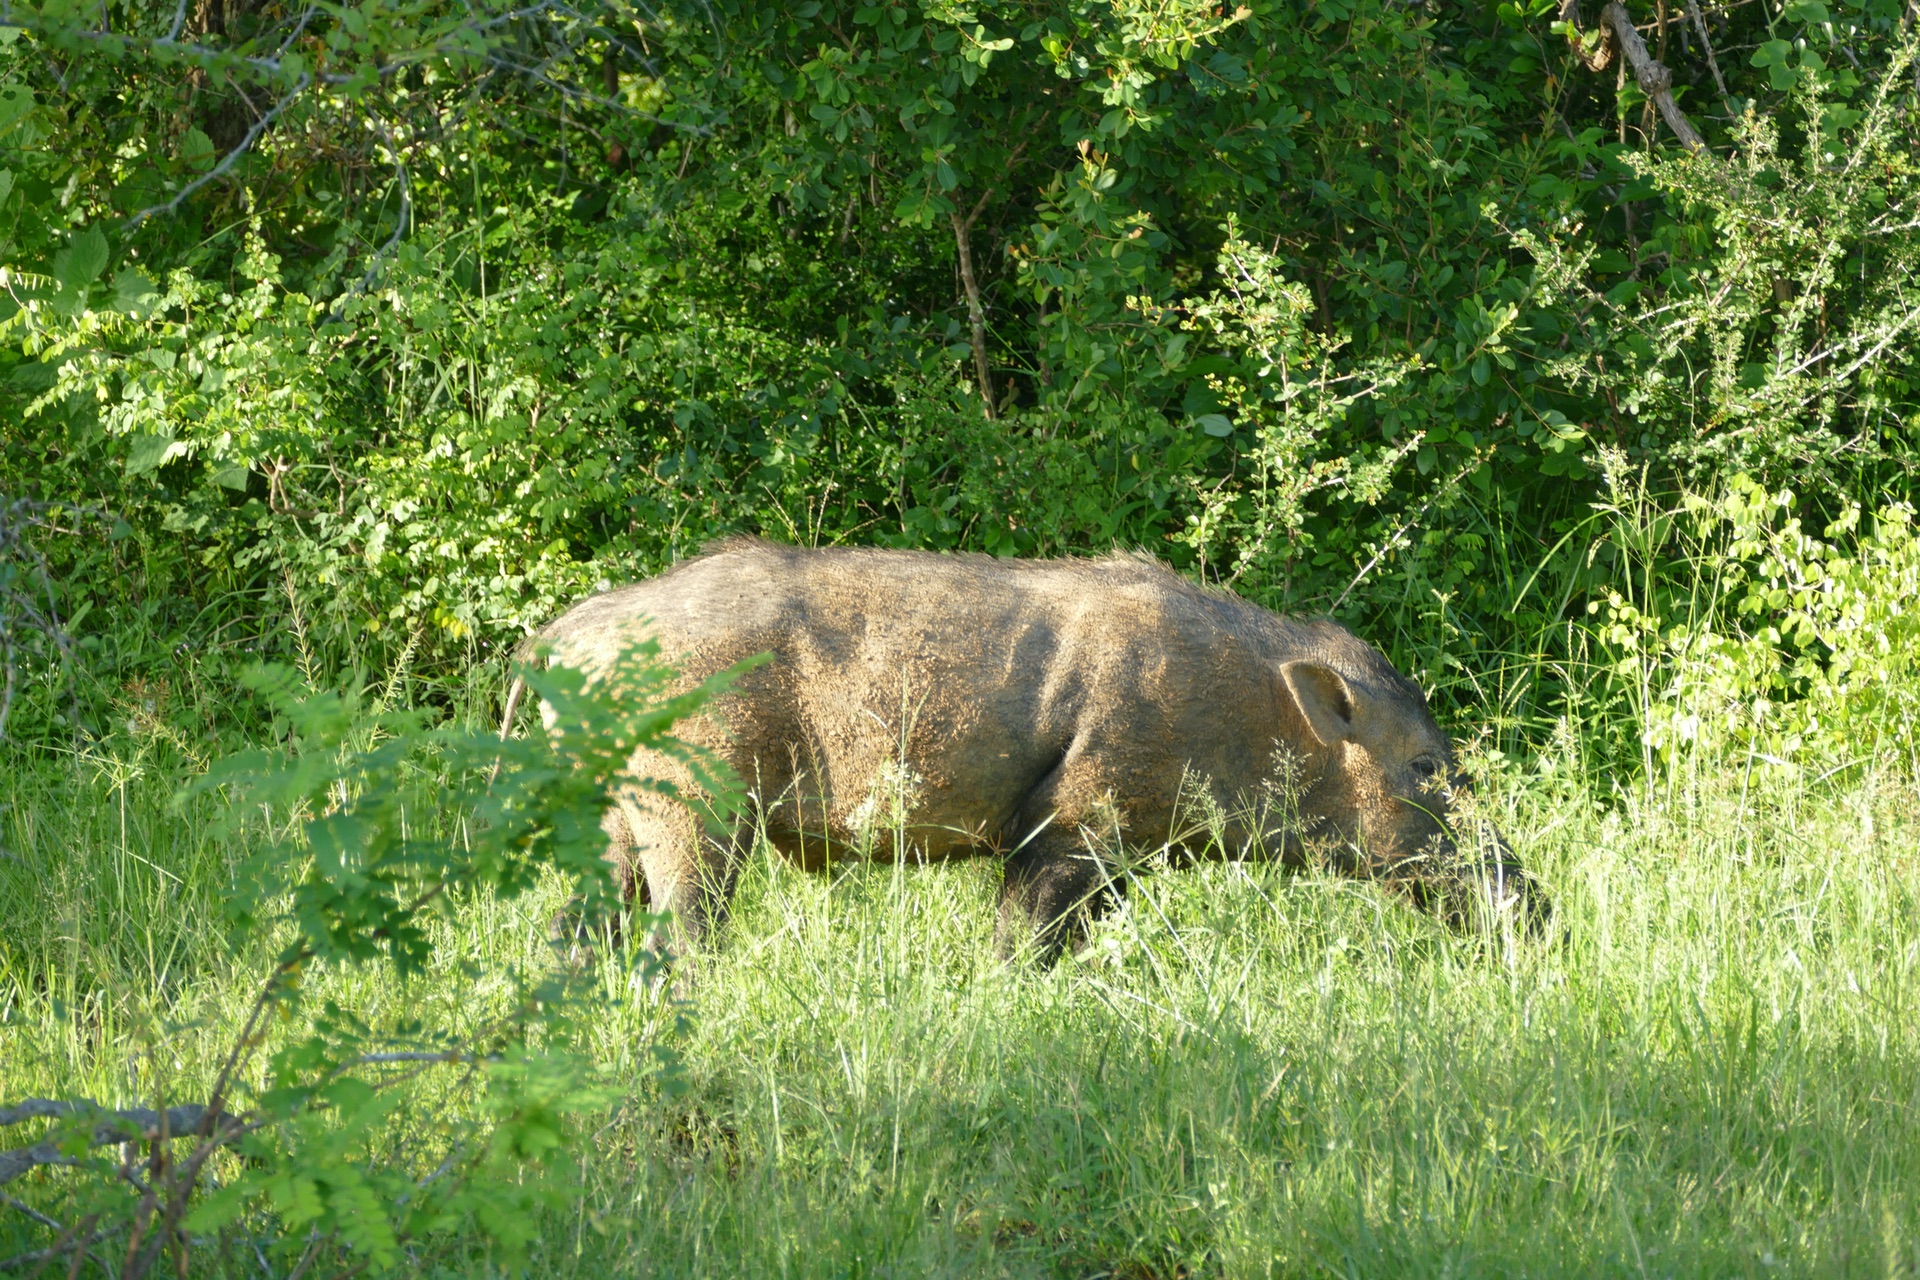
(1708,1066)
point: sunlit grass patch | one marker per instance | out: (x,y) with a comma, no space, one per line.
(1706,1066)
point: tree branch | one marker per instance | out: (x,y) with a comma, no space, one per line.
(1654,78)
(1602,57)
(1656,81)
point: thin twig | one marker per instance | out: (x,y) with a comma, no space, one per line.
(399,229)
(232,157)
(19,516)
(245,1039)
(1871,353)
(976,312)
(1395,538)
(81,1239)
(21,1206)
(306,1259)
(1706,43)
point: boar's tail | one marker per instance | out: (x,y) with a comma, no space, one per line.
(516,689)
(514,693)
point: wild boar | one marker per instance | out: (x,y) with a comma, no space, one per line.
(1047,713)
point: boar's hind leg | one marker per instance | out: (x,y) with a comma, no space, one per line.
(683,870)
(1054,889)
(569,928)
(1056,883)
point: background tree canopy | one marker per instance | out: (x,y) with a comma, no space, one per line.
(390,325)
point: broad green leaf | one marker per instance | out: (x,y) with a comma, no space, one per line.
(148,452)
(197,149)
(222,1207)
(134,293)
(81,263)
(15,101)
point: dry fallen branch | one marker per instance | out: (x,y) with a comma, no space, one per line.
(135,1124)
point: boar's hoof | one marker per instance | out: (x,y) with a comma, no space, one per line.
(1048,899)
(577,939)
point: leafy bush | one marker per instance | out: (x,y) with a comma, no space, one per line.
(1342,319)
(1765,324)
(366,1138)
(1801,653)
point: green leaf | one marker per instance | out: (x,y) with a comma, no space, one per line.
(149,452)
(6,184)
(197,150)
(1217,425)
(81,263)
(15,101)
(222,1207)
(913,209)
(134,293)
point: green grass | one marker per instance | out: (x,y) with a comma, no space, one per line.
(1712,1069)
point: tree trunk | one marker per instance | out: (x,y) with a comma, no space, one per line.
(976,313)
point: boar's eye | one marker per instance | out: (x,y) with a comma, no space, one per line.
(1426,767)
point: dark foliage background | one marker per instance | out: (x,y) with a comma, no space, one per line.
(394,326)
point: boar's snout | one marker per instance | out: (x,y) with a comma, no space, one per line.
(1497,885)
(1470,873)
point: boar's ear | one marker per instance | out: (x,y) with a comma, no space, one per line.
(1324,700)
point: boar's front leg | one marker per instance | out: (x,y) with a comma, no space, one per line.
(690,875)
(1056,882)
(1054,888)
